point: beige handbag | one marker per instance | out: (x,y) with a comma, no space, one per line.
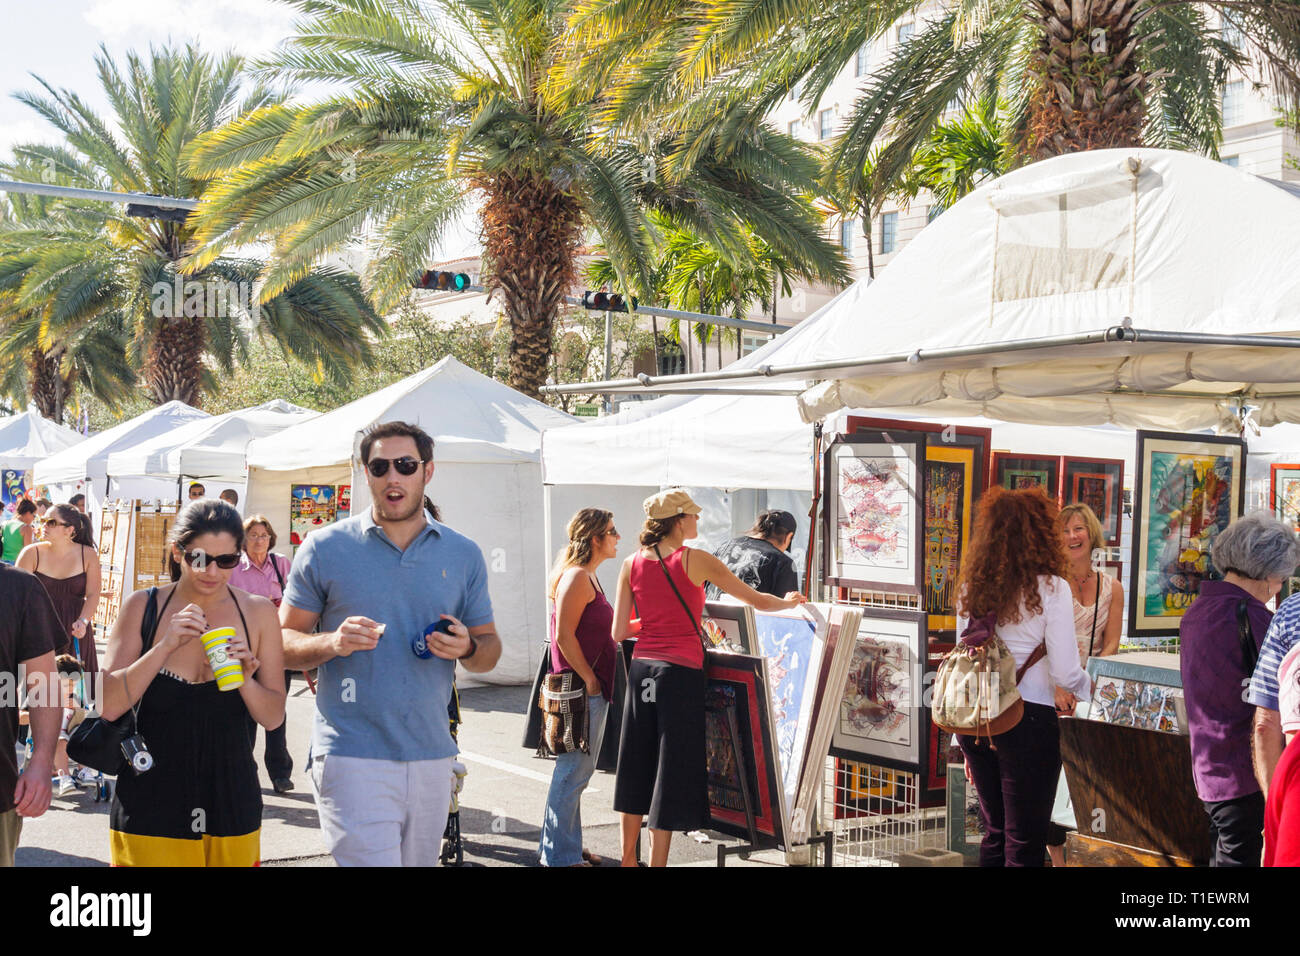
(975,692)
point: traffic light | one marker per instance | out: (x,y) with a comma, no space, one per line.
(166,214)
(606,301)
(444,281)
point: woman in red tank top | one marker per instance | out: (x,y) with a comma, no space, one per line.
(661,759)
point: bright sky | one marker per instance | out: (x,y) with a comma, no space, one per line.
(58,39)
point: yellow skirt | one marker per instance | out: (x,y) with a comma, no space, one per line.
(130,849)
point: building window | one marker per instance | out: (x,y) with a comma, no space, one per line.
(752,342)
(933,213)
(1232,161)
(888,232)
(863,61)
(905,30)
(793,128)
(1234,102)
(847,228)
(1230,32)
(672,361)
(825,123)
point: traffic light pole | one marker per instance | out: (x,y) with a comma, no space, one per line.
(609,358)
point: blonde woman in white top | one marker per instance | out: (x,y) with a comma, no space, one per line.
(1013,584)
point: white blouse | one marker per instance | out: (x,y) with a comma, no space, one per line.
(1061,665)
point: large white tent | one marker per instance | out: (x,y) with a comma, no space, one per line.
(85,465)
(1141,288)
(212,448)
(487,483)
(28,437)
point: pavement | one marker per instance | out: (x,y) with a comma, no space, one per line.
(501,803)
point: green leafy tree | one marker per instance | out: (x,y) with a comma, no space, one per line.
(1074,74)
(465,105)
(96,272)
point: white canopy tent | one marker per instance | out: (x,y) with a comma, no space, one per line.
(1141,288)
(25,439)
(212,448)
(28,437)
(487,483)
(85,465)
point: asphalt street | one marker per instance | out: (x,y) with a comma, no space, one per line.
(501,804)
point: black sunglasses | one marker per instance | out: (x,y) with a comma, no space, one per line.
(201,558)
(406,465)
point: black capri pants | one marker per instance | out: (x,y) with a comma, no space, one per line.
(661,762)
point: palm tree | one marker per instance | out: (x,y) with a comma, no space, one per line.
(36,365)
(1075,74)
(91,273)
(694,275)
(464,106)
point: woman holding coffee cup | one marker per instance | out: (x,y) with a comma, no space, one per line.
(172,656)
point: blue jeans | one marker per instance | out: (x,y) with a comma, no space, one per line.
(562,819)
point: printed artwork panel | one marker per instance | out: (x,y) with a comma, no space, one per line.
(1189,500)
(1133,703)
(1017,479)
(793,655)
(947,526)
(875,514)
(310,507)
(735,692)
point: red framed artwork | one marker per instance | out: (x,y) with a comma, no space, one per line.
(1099,484)
(1016,472)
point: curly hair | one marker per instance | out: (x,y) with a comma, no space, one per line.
(1015,540)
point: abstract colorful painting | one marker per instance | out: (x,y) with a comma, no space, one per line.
(881,719)
(789,641)
(737,709)
(1137,695)
(1189,488)
(873,513)
(948,473)
(13,487)
(1099,484)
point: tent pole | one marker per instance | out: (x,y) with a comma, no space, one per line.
(812,512)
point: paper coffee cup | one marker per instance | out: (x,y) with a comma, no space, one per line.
(228,670)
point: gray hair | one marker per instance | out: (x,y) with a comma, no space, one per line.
(1257,546)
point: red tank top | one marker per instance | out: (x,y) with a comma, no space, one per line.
(666,632)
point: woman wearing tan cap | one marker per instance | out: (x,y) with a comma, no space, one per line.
(661,759)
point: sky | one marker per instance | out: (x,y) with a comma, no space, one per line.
(58,40)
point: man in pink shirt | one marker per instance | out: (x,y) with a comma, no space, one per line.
(261,572)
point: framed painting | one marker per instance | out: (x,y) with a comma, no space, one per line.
(1099,484)
(1188,489)
(1284,493)
(861,790)
(1137,695)
(741,751)
(873,513)
(1016,472)
(955,474)
(793,645)
(880,718)
(730,626)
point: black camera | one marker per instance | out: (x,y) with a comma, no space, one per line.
(137,754)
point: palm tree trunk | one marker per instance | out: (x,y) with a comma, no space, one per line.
(174,368)
(531,230)
(1090,93)
(49,386)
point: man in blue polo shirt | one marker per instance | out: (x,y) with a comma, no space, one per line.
(381,749)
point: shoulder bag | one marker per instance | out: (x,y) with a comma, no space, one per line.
(96,742)
(976,690)
(566,718)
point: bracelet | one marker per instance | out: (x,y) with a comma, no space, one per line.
(473,649)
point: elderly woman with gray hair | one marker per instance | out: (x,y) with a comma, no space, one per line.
(1220,635)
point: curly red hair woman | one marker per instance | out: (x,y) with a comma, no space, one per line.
(1012,583)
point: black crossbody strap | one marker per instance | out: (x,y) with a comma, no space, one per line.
(704,643)
(1249,652)
(1092,636)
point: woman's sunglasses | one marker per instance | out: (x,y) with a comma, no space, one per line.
(406,465)
(54,521)
(201,558)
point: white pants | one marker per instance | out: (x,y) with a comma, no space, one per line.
(382,812)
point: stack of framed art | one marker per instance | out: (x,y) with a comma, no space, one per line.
(770,714)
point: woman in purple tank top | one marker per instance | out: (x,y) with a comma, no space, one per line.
(581,622)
